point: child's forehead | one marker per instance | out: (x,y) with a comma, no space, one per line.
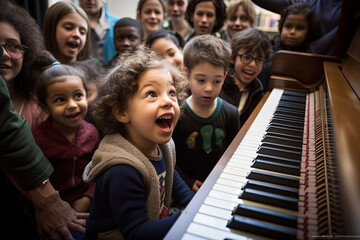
(156,76)
(126,29)
(251,51)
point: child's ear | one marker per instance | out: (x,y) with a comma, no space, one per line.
(121,116)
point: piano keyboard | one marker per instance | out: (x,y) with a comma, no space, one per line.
(257,194)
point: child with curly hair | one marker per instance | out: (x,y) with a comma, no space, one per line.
(138,109)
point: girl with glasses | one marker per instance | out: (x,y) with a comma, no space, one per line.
(250,49)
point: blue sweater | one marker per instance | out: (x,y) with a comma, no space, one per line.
(122,205)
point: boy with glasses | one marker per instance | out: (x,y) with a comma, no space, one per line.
(250,50)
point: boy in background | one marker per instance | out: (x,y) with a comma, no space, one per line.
(209,123)
(101,23)
(128,34)
(250,50)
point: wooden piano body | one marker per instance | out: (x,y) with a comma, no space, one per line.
(340,78)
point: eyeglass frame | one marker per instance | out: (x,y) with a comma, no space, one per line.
(252,58)
(23,50)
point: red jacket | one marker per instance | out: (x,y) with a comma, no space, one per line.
(68,159)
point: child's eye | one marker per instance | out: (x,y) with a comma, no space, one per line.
(132,38)
(288,26)
(78,95)
(171,54)
(200,80)
(59,100)
(68,27)
(172,94)
(217,81)
(244,18)
(151,94)
(300,27)
(199,14)
(83,31)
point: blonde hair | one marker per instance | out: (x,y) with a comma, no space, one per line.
(248,8)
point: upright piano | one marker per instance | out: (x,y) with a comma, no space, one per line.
(293,170)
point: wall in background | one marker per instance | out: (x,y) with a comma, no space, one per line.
(122,8)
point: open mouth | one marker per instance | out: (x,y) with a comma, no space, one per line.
(73,116)
(164,122)
(73,44)
(249,74)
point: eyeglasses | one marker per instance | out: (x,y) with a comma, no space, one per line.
(15,50)
(247,59)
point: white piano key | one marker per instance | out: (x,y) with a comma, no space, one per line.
(188,236)
(213,233)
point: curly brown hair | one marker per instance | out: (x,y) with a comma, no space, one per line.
(121,83)
(30,36)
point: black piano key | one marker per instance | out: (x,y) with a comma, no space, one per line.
(290,111)
(294,93)
(299,129)
(266,215)
(298,121)
(272,188)
(277,134)
(286,130)
(286,122)
(277,167)
(269,198)
(292,105)
(282,140)
(287,116)
(279,152)
(274,178)
(294,162)
(295,150)
(286,112)
(260,228)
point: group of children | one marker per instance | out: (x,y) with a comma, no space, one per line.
(152,98)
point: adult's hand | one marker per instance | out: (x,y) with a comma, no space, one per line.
(54,216)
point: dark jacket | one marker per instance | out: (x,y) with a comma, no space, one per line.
(231,93)
(19,154)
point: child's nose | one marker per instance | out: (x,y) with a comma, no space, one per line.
(204,18)
(166,101)
(153,15)
(71,104)
(208,87)
(76,32)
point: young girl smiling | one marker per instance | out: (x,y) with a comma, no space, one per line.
(65,138)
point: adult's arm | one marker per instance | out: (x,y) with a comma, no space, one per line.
(277,5)
(19,153)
